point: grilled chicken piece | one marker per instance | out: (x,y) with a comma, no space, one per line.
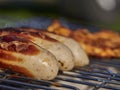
(57,28)
(27,58)
(80,57)
(62,53)
(103,44)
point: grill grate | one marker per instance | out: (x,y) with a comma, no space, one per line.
(92,77)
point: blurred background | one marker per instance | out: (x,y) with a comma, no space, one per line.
(102,13)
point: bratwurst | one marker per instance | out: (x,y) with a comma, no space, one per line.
(80,56)
(62,53)
(23,56)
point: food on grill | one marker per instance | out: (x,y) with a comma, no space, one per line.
(23,56)
(62,53)
(80,57)
(57,28)
(103,44)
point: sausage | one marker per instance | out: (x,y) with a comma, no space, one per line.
(23,56)
(80,56)
(62,53)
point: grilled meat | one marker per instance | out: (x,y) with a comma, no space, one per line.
(62,53)
(102,44)
(23,56)
(80,57)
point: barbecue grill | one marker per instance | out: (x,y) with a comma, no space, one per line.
(102,74)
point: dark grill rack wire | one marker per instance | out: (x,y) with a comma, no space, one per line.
(94,76)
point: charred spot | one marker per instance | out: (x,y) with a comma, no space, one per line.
(7,56)
(12,47)
(16,44)
(30,50)
(10,38)
(42,35)
(36,33)
(25,32)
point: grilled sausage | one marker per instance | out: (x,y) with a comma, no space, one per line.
(62,53)
(81,58)
(27,58)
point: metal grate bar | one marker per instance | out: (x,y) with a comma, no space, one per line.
(107,63)
(17,83)
(41,84)
(5,87)
(83,76)
(95,76)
